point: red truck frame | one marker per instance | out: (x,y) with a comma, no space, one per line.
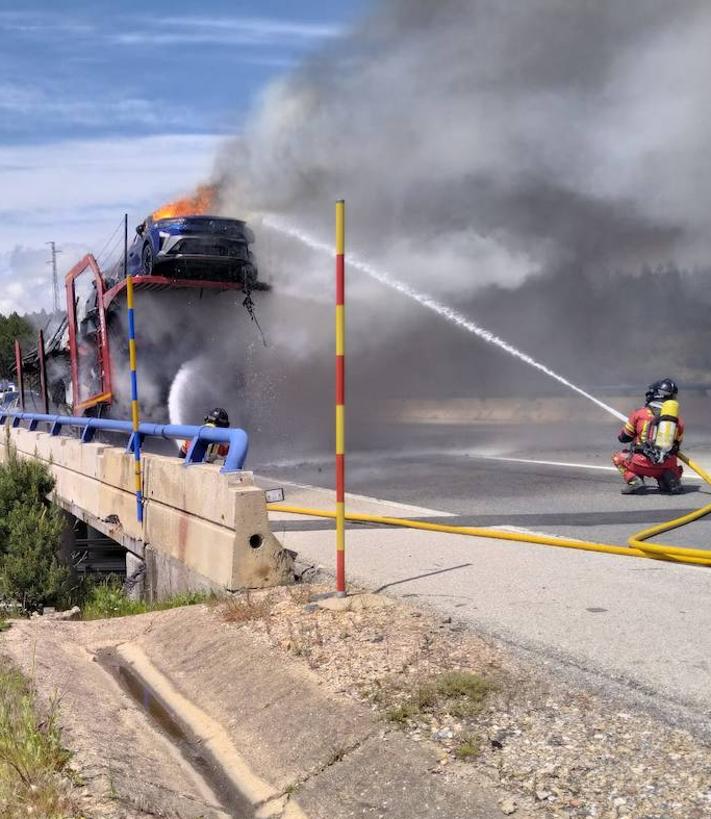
(90,351)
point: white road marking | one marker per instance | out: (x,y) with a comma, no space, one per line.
(566,463)
(547,463)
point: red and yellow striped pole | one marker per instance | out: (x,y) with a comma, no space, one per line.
(340,399)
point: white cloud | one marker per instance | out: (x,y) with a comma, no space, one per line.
(247,31)
(27,22)
(131,111)
(26,278)
(76,192)
(17,98)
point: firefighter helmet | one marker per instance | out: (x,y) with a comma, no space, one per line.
(218,417)
(661,390)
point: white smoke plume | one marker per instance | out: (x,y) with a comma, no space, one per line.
(478,141)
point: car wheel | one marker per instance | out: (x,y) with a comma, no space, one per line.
(147,260)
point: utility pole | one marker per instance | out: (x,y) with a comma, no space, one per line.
(55,283)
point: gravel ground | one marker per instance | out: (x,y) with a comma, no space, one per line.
(552,751)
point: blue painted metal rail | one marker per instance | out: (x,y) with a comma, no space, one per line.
(200,437)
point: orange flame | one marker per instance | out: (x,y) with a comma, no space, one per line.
(199,203)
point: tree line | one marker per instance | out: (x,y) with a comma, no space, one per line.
(12,327)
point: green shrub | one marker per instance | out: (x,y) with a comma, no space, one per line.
(22,483)
(30,535)
(31,572)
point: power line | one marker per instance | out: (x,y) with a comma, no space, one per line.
(109,252)
(109,240)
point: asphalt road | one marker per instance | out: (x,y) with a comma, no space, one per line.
(644,626)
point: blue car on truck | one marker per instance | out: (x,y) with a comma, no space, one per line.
(194,247)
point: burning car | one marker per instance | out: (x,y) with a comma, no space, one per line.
(193,247)
(178,249)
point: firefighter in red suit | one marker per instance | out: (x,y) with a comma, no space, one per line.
(216,418)
(643,460)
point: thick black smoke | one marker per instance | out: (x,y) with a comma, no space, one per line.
(502,156)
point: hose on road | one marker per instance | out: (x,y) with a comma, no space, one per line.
(638,547)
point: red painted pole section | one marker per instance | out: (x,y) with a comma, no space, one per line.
(20,375)
(43,372)
(340,401)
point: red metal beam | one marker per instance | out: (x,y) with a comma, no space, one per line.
(43,372)
(20,374)
(164,281)
(104,395)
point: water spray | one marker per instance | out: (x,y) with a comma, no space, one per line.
(437,307)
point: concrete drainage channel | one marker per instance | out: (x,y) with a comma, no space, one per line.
(217,786)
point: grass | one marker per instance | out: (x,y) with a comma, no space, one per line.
(247,607)
(402,713)
(459,693)
(457,684)
(469,748)
(4,625)
(34,773)
(108,600)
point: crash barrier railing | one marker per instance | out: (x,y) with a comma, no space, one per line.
(200,437)
(636,548)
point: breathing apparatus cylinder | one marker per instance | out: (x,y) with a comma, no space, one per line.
(667,426)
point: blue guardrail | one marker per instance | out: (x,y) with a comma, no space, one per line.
(200,437)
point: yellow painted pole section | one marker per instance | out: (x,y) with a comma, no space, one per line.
(340,430)
(340,227)
(340,330)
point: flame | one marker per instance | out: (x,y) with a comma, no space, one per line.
(199,203)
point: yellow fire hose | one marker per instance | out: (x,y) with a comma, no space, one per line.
(637,546)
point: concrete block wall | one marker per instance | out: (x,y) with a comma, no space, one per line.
(200,527)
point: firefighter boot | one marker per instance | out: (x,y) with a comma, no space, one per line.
(633,487)
(669,484)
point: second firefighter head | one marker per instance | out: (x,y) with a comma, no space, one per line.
(661,391)
(218,417)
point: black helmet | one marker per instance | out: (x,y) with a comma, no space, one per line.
(661,390)
(218,417)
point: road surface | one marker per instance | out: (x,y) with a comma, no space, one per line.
(640,625)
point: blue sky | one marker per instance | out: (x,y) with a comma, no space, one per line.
(114,106)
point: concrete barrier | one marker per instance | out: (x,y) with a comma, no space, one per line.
(201,528)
